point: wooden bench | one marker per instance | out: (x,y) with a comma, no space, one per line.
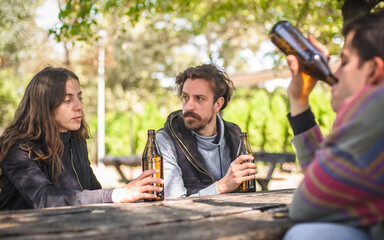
(270,158)
(117,161)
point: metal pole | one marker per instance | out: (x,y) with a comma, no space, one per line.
(101,104)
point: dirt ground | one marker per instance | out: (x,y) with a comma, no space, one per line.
(109,178)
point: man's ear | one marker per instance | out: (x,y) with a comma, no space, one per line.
(218,104)
(377,73)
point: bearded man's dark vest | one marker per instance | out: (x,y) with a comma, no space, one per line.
(189,159)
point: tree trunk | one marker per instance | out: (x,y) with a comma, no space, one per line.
(66,60)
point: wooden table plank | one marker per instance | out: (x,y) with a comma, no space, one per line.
(227,216)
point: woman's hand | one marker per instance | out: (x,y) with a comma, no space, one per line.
(138,188)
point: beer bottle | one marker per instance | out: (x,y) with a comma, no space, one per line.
(245,149)
(312,62)
(152,159)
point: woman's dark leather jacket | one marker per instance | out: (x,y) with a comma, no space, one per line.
(26,183)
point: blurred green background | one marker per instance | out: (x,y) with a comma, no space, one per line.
(148,42)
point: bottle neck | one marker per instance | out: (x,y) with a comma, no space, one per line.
(331,80)
(151,139)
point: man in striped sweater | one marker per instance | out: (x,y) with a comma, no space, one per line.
(342,193)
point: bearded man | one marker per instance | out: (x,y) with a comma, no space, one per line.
(200,148)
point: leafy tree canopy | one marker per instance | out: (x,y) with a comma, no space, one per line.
(80,18)
(152,39)
(15,17)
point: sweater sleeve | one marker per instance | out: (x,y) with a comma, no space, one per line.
(344,181)
(37,190)
(306,145)
(173,180)
(302,122)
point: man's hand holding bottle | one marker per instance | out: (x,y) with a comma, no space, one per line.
(302,84)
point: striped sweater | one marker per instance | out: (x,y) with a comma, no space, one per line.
(344,172)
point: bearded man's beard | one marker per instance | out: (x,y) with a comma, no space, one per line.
(197,123)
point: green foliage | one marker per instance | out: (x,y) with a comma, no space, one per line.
(260,113)
(263,115)
(278,126)
(253,117)
(11,89)
(152,40)
(22,49)
(74,12)
(126,130)
(320,100)
(15,19)
(148,41)
(78,16)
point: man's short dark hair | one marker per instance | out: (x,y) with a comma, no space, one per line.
(369,35)
(220,83)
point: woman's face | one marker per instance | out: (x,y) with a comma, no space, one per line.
(69,113)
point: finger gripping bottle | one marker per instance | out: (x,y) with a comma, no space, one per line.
(152,159)
(312,62)
(245,149)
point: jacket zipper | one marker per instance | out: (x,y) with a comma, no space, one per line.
(73,167)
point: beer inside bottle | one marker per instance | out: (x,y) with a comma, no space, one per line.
(152,159)
(312,62)
(245,149)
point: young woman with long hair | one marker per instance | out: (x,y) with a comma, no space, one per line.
(43,152)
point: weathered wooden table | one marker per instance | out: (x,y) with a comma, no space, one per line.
(227,216)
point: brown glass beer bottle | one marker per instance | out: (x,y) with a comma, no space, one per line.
(312,62)
(152,159)
(245,149)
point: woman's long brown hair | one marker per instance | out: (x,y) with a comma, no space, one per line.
(34,120)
